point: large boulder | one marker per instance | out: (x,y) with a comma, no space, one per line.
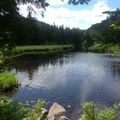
(56,109)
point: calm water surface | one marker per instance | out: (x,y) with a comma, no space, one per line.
(69,79)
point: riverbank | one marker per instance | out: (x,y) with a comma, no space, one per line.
(40,49)
(20,111)
(7,79)
(109,48)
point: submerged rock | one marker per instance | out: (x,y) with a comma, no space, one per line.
(56,109)
(63,118)
(68,106)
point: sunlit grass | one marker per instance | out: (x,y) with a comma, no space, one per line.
(7,80)
(111,48)
(115,49)
(43,49)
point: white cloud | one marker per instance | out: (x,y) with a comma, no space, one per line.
(57,2)
(24,9)
(74,18)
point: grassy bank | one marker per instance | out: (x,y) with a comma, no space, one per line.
(7,80)
(110,48)
(43,49)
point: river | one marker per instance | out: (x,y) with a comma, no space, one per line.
(69,79)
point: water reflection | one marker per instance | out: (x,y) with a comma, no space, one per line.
(68,79)
(31,70)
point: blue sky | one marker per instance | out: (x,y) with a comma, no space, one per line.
(81,16)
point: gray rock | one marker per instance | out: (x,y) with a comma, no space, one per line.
(68,106)
(56,109)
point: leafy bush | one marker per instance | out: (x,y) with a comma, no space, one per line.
(90,112)
(36,111)
(1,61)
(11,110)
(7,80)
(109,113)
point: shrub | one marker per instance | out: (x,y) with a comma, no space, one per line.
(7,80)
(11,110)
(91,113)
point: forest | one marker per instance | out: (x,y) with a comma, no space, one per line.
(106,34)
(26,35)
(18,31)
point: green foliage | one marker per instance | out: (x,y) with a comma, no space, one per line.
(90,112)
(115,27)
(114,49)
(111,48)
(97,47)
(33,32)
(7,80)
(6,42)
(36,112)
(1,59)
(11,110)
(107,114)
(41,49)
(107,32)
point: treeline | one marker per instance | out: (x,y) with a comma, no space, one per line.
(16,30)
(29,31)
(108,31)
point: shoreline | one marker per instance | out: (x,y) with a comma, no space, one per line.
(114,50)
(39,49)
(24,50)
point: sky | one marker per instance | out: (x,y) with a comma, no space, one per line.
(80,16)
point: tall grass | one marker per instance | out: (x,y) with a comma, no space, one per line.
(39,49)
(110,48)
(7,80)
(114,49)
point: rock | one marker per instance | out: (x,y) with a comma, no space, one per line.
(63,118)
(51,118)
(56,109)
(27,85)
(68,106)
